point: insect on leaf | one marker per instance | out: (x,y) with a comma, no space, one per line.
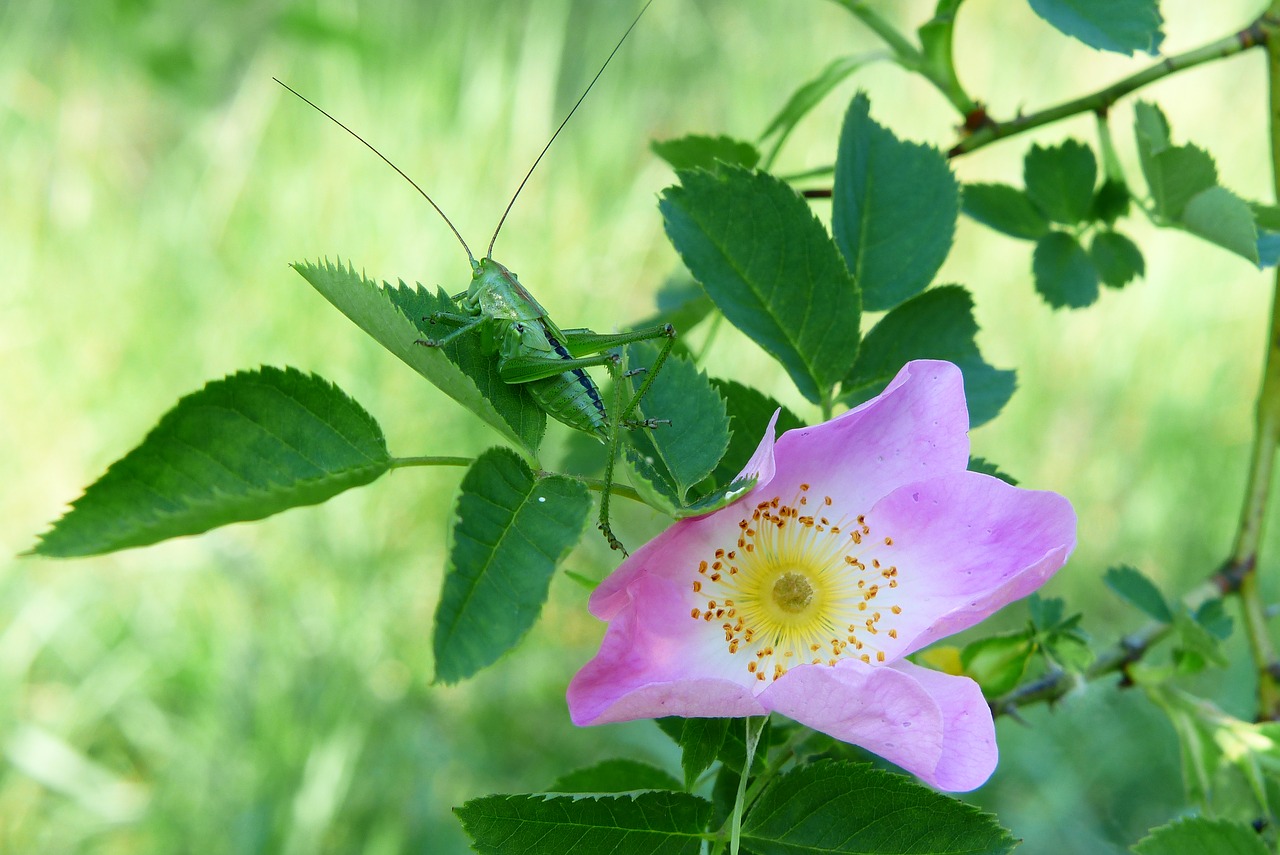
(688,449)
(393,316)
(242,448)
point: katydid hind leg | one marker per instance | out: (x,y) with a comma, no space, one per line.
(623,419)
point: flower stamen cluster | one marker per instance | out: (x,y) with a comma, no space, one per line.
(799,588)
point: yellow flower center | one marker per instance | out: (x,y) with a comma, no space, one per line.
(798,588)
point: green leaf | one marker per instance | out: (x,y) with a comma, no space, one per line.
(242,448)
(651,481)
(510,532)
(1174,174)
(733,753)
(1070,651)
(840,807)
(766,261)
(1064,274)
(998,662)
(393,316)
(732,746)
(1116,258)
(615,776)
(697,151)
(1123,26)
(986,467)
(1212,615)
(1221,217)
(1138,591)
(1195,639)
(938,324)
(1060,180)
(720,497)
(1151,130)
(1006,209)
(1111,202)
(808,96)
(1046,612)
(1198,835)
(749,413)
(687,450)
(894,209)
(1266,216)
(700,741)
(650,823)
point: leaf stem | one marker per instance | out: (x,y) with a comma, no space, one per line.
(905,52)
(938,70)
(598,485)
(432,460)
(755,726)
(1243,563)
(1132,648)
(1259,32)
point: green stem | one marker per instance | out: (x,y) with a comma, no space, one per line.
(401,462)
(597,484)
(1255,34)
(906,53)
(937,69)
(1115,660)
(755,726)
(1111,168)
(936,37)
(1243,563)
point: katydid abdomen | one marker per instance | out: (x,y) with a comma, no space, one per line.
(573,399)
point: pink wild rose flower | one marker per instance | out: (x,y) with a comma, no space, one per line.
(864,540)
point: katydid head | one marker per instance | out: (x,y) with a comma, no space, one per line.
(496,292)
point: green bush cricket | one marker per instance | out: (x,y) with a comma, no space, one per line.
(529,348)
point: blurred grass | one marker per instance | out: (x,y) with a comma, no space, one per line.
(265,688)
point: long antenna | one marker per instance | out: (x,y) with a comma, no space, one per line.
(572,110)
(389,163)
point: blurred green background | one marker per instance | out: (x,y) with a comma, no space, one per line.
(267,687)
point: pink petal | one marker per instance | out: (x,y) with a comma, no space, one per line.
(934,725)
(656,661)
(916,428)
(969,751)
(671,552)
(965,545)
(761,464)
(881,709)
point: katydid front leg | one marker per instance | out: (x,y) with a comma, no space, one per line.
(461,324)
